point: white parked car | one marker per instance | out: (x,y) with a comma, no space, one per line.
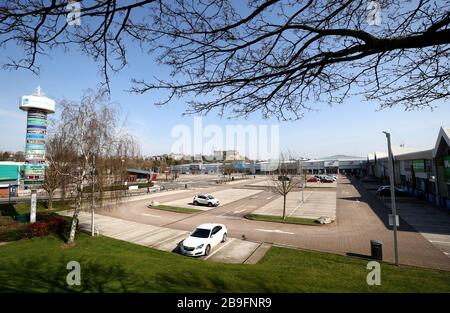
(205,200)
(203,239)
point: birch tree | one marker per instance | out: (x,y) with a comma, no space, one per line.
(91,129)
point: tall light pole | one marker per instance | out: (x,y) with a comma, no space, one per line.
(391,179)
(302,176)
(122,174)
(93,199)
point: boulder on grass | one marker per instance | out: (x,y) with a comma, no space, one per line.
(324,220)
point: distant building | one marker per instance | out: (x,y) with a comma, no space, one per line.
(422,173)
(336,164)
(227,155)
(10,175)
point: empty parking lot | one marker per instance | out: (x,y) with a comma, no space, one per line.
(167,239)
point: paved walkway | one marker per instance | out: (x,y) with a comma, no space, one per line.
(167,239)
(362,217)
(431,222)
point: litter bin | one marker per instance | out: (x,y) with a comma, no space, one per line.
(22,218)
(376,249)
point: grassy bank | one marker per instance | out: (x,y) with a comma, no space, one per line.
(279,219)
(109,265)
(174,209)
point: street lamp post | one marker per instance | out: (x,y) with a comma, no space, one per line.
(302,176)
(391,179)
(93,200)
(123,178)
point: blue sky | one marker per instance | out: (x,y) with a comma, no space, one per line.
(353,128)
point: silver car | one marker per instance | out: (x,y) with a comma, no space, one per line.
(205,200)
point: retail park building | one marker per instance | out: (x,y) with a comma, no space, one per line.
(423,173)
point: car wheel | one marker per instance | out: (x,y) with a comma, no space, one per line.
(224,238)
(195,203)
(207,250)
(209,204)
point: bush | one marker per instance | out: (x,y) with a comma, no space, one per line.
(44,227)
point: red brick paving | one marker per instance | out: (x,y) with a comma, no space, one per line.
(359,222)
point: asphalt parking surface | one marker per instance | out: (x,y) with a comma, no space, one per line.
(360,217)
(224,196)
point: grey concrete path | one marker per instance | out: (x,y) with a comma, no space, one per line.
(316,203)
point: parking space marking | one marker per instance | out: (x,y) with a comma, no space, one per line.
(437,241)
(220,248)
(275,231)
(229,215)
(167,240)
(151,215)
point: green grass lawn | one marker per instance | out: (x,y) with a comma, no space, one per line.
(174,209)
(109,265)
(24,207)
(279,219)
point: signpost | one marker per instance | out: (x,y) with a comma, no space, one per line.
(394,211)
(38,107)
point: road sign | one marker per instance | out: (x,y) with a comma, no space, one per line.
(391,220)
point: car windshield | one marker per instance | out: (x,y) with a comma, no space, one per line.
(201,233)
(210,197)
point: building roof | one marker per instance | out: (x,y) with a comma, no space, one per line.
(424,154)
(138,171)
(444,134)
(342,157)
(11,163)
(396,151)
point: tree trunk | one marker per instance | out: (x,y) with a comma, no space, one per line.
(50,200)
(284,206)
(73,227)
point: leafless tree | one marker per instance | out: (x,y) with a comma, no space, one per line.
(59,154)
(279,57)
(284,179)
(90,128)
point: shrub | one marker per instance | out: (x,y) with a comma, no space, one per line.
(44,227)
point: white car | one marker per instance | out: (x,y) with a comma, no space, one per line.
(205,200)
(203,239)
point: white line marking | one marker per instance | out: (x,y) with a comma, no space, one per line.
(268,198)
(275,231)
(146,214)
(437,241)
(230,217)
(220,248)
(239,211)
(166,240)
